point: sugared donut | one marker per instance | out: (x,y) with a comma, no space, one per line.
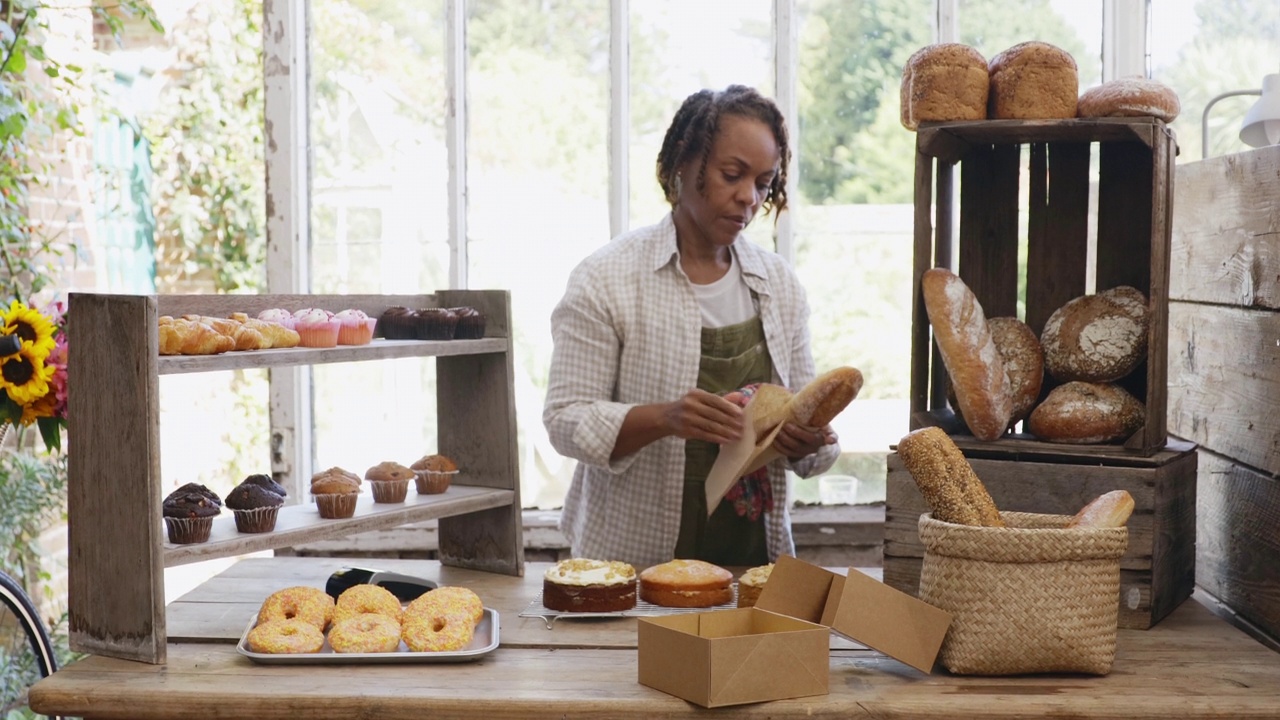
(450,600)
(285,636)
(311,605)
(437,633)
(366,599)
(365,633)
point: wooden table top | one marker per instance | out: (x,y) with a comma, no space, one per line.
(1191,665)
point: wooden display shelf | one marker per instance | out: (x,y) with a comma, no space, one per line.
(379,349)
(302,523)
(117,552)
(1131,227)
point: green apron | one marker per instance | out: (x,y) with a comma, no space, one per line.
(732,356)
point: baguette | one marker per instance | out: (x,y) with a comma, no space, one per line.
(964,339)
(946,480)
(1109,510)
(817,403)
(769,408)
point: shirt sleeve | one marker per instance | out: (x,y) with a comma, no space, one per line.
(581,418)
(803,372)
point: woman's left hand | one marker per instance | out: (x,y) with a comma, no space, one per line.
(796,442)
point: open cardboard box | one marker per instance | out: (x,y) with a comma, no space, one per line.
(779,648)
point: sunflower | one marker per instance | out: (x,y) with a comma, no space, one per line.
(24,375)
(43,407)
(30,325)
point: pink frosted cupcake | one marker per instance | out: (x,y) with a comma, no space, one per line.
(279,316)
(317,327)
(356,327)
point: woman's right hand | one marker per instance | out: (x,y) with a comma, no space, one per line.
(701,415)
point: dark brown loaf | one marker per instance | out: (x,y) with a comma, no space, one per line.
(1097,338)
(1033,80)
(1023,360)
(946,479)
(1130,97)
(817,403)
(943,82)
(1084,413)
(969,353)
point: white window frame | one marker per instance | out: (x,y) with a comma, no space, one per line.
(286,47)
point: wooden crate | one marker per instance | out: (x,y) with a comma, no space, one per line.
(1158,570)
(1134,201)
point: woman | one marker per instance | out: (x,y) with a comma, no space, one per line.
(655,332)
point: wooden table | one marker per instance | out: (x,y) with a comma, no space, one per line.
(1192,665)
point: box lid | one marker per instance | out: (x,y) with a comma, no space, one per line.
(858,607)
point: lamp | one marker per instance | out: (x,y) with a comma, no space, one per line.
(1262,122)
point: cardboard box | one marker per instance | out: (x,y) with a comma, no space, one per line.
(780,648)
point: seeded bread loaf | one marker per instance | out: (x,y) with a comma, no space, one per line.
(1032,81)
(1097,338)
(942,82)
(946,479)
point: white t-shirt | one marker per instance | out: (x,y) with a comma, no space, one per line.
(726,301)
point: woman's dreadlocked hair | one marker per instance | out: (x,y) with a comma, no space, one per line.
(693,132)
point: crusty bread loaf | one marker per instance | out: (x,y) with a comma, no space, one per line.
(942,82)
(1097,338)
(1033,80)
(1130,97)
(769,407)
(1084,413)
(686,583)
(969,353)
(946,479)
(1109,510)
(818,402)
(1023,360)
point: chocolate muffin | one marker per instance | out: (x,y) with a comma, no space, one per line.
(255,507)
(265,481)
(188,514)
(396,323)
(435,324)
(470,323)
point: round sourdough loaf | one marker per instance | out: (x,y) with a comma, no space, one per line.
(686,583)
(1087,413)
(1130,97)
(1097,338)
(943,82)
(1033,81)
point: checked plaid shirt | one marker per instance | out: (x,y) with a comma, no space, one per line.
(627,333)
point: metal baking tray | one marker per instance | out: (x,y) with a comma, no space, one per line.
(484,642)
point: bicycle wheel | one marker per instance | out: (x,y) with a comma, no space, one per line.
(26,654)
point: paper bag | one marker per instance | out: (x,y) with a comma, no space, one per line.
(740,457)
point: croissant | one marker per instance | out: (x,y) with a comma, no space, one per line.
(274,335)
(247,338)
(185,337)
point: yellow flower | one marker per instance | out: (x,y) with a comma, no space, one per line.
(42,408)
(24,375)
(30,325)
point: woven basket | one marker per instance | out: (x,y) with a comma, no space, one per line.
(1032,597)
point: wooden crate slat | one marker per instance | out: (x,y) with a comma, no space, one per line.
(115,570)
(922,259)
(1057,257)
(379,349)
(988,257)
(1156,386)
(953,140)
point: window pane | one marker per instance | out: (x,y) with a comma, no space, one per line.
(379,219)
(678,48)
(1202,48)
(993,26)
(854,219)
(537,170)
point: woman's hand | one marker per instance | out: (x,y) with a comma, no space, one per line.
(700,415)
(796,442)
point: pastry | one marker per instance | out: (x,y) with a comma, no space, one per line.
(581,585)
(470,323)
(335,491)
(267,482)
(1130,97)
(969,353)
(279,316)
(274,335)
(390,481)
(188,514)
(1082,413)
(946,479)
(434,473)
(1097,338)
(751,583)
(187,337)
(944,82)
(316,328)
(1032,80)
(355,327)
(686,583)
(396,323)
(434,324)
(255,505)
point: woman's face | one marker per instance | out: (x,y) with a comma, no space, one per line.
(744,159)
